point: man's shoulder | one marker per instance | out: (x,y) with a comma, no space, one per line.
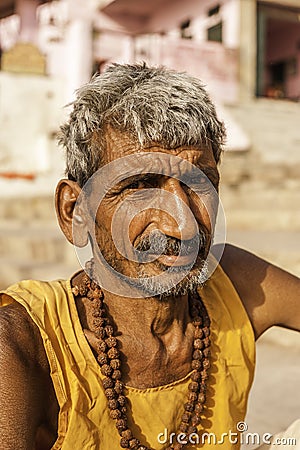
(263,287)
(26,394)
(236,262)
(19,334)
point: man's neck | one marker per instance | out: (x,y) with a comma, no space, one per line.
(149,315)
(156,338)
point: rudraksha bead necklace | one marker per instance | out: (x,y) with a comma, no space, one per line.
(108,357)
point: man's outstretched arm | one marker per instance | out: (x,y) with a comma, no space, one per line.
(271,295)
(22,389)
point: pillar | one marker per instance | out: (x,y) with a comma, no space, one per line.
(248,39)
(26,9)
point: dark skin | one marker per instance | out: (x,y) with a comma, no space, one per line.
(156,339)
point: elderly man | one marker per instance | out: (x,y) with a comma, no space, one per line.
(152,346)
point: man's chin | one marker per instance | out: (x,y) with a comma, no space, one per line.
(160,280)
(172,281)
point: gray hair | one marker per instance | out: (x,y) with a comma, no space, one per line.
(149,104)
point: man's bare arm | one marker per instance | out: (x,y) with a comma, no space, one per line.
(23,397)
(270,295)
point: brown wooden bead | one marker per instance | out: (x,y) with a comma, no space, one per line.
(193,386)
(206,331)
(189,406)
(110,393)
(197,322)
(196,376)
(198,408)
(124,443)
(177,446)
(186,416)
(115,363)
(97,293)
(206,352)
(111,341)
(183,427)
(98,322)
(134,443)
(121,425)
(109,330)
(102,312)
(82,290)
(203,387)
(122,400)
(107,383)
(113,353)
(101,346)
(116,375)
(127,434)
(206,342)
(106,370)
(206,363)
(100,333)
(90,295)
(197,354)
(113,404)
(198,333)
(192,429)
(115,414)
(123,410)
(204,375)
(102,358)
(119,387)
(192,397)
(196,364)
(97,305)
(75,291)
(198,343)
(96,313)
(195,421)
(93,284)
(201,397)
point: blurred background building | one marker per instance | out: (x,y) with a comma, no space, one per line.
(247,52)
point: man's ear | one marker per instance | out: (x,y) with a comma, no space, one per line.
(66,195)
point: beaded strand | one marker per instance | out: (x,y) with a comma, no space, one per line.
(108,357)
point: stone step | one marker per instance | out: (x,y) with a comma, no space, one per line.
(14,270)
(34,242)
(27,209)
(273,129)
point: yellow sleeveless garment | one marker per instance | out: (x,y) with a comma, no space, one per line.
(154,413)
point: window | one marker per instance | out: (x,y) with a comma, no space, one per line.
(185,29)
(213,11)
(215,33)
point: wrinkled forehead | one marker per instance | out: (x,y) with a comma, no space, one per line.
(119,144)
(180,166)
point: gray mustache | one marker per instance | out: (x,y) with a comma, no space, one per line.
(159,243)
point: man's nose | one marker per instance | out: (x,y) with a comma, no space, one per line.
(176,218)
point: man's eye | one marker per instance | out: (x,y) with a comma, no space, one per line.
(136,185)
